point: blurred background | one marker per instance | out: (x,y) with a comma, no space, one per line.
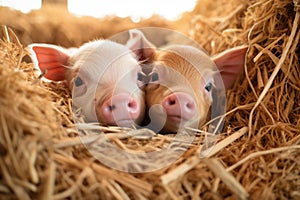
(73,22)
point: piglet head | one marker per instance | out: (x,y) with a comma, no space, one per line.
(183,90)
(102,76)
(109,72)
(182,78)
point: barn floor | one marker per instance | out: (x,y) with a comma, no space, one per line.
(256,157)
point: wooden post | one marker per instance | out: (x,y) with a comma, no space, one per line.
(61,3)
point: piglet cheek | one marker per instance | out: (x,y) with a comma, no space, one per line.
(204,105)
(99,114)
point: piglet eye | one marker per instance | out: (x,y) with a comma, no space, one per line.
(208,87)
(155,76)
(140,76)
(78,81)
(80,87)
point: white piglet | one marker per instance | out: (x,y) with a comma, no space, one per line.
(102,76)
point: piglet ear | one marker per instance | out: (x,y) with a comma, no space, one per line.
(231,63)
(50,60)
(139,44)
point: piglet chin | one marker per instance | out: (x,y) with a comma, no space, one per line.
(174,123)
(175,119)
(124,123)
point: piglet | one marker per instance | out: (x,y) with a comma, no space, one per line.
(102,76)
(181,78)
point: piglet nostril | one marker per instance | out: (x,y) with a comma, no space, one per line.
(108,108)
(191,105)
(170,101)
(132,105)
(111,108)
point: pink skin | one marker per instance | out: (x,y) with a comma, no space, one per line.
(120,109)
(179,106)
(101,75)
(182,106)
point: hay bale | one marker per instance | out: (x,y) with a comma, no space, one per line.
(266,98)
(29,120)
(257,156)
(53,24)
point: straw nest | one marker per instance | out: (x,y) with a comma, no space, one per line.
(257,156)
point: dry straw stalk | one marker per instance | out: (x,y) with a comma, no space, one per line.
(256,157)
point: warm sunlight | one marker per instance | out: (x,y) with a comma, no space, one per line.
(136,9)
(22,5)
(170,9)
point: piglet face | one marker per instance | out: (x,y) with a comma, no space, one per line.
(104,84)
(183,92)
(102,76)
(185,81)
(118,99)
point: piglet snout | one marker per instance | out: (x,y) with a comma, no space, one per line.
(121,109)
(179,106)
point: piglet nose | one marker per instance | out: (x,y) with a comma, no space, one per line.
(120,108)
(180,105)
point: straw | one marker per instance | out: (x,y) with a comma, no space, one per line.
(257,155)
